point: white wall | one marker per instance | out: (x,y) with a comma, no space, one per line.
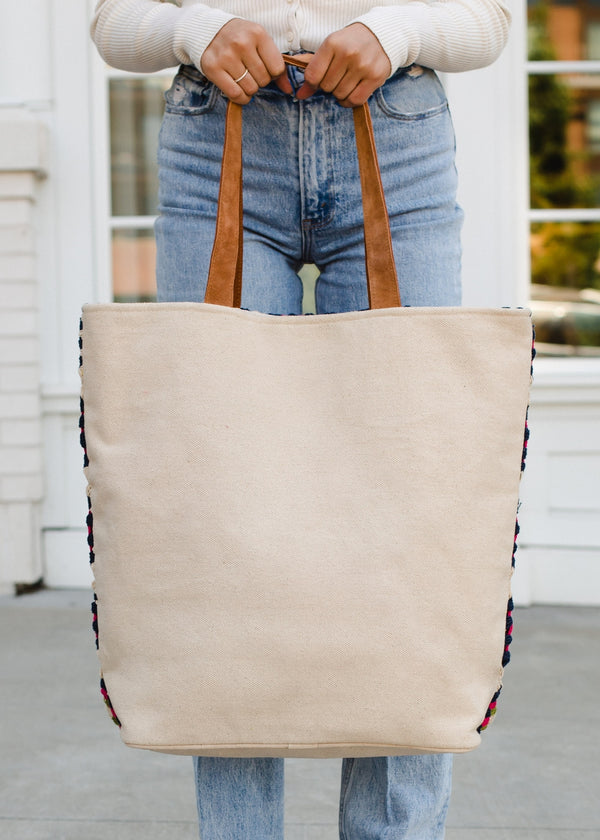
(71,250)
(24,96)
(489,108)
(47,94)
(22,164)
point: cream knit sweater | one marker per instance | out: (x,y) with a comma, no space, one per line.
(447,35)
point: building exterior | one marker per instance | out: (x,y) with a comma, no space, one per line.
(77,202)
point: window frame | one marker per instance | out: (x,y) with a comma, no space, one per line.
(105,223)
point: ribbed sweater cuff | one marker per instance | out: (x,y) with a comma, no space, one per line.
(450,37)
(196,28)
(398,30)
(165,35)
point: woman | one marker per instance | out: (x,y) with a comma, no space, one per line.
(302,205)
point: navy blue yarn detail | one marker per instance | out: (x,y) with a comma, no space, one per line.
(82,440)
(104,692)
(508,631)
(95,618)
(89,520)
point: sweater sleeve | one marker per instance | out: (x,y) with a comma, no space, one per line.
(147,35)
(446,35)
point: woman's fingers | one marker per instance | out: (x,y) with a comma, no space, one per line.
(351,64)
(240,59)
(284,84)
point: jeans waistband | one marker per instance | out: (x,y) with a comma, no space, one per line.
(295,75)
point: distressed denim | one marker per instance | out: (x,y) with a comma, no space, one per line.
(302,204)
(302,201)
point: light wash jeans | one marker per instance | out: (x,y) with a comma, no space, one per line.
(302,204)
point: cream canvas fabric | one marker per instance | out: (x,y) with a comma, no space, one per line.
(303,527)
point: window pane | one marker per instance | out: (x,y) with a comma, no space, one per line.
(565,263)
(136,109)
(564,30)
(133,263)
(564,140)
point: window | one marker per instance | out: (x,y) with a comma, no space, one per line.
(564,133)
(135,105)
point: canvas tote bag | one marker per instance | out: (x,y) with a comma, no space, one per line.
(302,528)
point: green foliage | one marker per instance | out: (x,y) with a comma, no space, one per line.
(554,182)
(562,254)
(566,254)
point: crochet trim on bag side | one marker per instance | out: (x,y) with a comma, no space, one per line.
(508,633)
(90,529)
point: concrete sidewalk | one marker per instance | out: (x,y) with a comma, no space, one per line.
(64,774)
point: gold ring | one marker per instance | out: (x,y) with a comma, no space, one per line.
(243,76)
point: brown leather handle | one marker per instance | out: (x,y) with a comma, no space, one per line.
(225,273)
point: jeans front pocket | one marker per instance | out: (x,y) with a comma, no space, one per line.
(413,93)
(190,94)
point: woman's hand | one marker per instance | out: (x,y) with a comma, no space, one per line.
(350,63)
(241,58)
